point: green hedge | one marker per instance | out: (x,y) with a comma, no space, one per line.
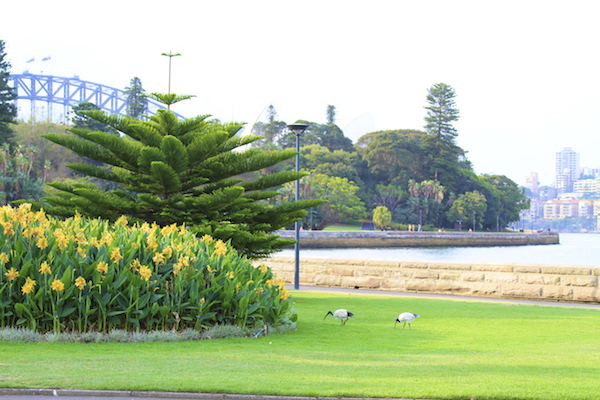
(89,275)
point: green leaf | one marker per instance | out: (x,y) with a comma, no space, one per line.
(165,176)
(175,153)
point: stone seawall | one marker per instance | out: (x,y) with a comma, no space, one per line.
(375,239)
(478,279)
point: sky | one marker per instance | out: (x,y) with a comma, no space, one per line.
(526,73)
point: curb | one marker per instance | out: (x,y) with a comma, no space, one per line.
(165,395)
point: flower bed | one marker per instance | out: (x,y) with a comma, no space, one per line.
(89,275)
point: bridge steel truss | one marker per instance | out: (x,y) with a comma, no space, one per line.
(69,92)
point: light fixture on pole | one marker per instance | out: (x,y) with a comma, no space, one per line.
(298,128)
(170,55)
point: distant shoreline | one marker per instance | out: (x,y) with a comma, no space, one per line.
(379,239)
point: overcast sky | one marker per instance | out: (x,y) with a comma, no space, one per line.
(526,73)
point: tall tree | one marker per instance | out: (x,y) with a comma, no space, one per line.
(185,172)
(137,102)
(271,131)
(331,114)
(8,111)
(82,121)
(441,112)
(469,207)
(341,201)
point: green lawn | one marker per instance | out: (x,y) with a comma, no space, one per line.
(347,226)
(456,350)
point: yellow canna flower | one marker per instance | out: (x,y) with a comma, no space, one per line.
(281,283)
(238,286)
(57,285)
(45,268)
(270,283)
(135,265)
(82,252)
(220,248)
(102,267)
(12,274)
(259,291)
(8,228)
(122,221)
(230,274)
(3,258)
(168,252)
(207,239)
(263,269)
(202,301)
(80,282)
(28,286)
(176,269)
(284,294)
(116,255)
(42,242)
(94,242)
(145,272)
(158,259)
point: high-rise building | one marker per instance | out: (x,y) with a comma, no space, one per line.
(531,182)
(567,169)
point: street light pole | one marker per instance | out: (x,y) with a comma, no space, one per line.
(298,128)
(170,55)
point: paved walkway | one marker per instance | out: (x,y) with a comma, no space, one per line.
(445,296)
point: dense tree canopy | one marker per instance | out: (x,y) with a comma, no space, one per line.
(8,111)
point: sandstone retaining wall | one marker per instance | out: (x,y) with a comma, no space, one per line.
(478,279)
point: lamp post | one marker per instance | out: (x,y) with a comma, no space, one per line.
(298,128)
(170,55)
(474,214)
(459,224)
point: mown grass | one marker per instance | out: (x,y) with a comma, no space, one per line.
(456,350)
(346,226)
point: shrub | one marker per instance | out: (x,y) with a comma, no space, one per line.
(84,275)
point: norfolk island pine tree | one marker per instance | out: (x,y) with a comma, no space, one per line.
(180,172)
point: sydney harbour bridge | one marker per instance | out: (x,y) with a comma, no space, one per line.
(69,92)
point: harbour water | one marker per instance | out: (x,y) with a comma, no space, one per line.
(574,249)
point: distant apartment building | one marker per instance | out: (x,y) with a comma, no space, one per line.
(559,209)
(567,169)
(595,172)
(531,182)
(587,186)
(586,208)
(547,193)
(536,209)
(596,205)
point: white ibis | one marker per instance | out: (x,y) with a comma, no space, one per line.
(340,314)
(406,317)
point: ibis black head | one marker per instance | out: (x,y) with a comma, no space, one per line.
(329,313)
(350,314)
(397,320)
